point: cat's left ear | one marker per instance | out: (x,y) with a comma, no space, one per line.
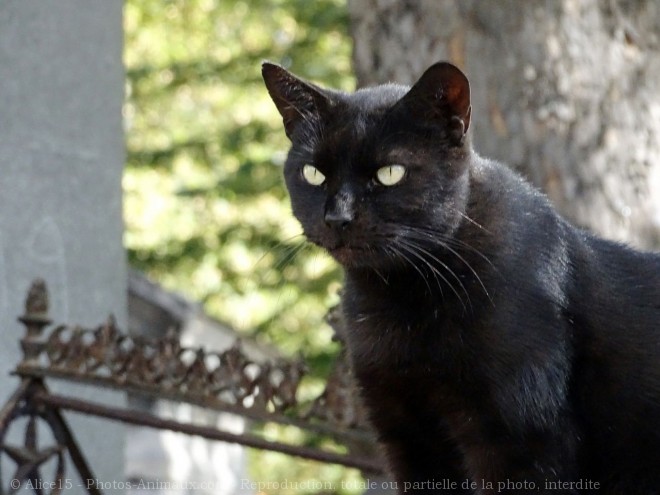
(442,96)
(297,100)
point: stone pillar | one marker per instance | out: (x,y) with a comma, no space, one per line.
(61,160)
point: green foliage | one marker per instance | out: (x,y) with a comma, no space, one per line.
(205,208)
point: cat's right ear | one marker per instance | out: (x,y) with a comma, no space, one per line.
(296,100)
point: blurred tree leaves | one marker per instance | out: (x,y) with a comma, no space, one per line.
(206,211)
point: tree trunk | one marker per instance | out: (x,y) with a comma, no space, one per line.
(567,92)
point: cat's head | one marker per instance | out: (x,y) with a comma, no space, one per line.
(373,172)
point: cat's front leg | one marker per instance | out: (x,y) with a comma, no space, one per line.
(425,465)
(530,462)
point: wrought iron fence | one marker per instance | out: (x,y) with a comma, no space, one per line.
(227,381)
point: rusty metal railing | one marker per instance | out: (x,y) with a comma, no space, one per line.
(227,381)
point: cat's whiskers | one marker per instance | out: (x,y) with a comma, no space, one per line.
(291,255)
(446,242)
(399,255)
(288,256)
(278,244)
(476,275)
(442,264)
(376,271)
(437,236)
(285,254)
(420,253)
(467,217)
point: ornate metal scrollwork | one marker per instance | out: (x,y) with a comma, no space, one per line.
(31,454)
(158,367)
(230,377)
(229,380)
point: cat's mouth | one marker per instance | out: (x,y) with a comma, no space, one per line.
(347,255)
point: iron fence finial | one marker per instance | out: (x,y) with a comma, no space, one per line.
(35,319)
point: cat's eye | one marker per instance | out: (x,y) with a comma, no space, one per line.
(390,175)
(312,175)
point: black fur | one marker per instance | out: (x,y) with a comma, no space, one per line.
(492,341)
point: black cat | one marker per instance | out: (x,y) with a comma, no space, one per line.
(492,341)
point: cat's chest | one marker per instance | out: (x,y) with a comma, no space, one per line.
(416,358)
(413,362)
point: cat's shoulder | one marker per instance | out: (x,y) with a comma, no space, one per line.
(499,182)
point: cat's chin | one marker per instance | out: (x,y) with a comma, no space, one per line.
(358,257)
(349,256)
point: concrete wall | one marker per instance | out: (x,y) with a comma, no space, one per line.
(61,159)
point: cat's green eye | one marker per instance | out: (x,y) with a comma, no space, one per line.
(313,175)
(390,175)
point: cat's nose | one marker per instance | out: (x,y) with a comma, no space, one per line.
(340,209)
(338,220)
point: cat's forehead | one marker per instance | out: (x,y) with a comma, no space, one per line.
(359,113)
(376,99)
